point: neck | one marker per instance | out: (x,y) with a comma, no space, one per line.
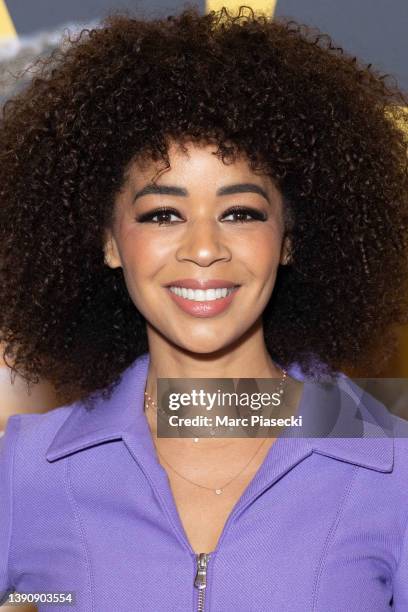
(247,358)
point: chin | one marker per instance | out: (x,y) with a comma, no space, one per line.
(202,348)
(206,346)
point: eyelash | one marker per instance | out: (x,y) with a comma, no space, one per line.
(256,215)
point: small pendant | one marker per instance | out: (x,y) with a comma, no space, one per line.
(196,439)
(218,491)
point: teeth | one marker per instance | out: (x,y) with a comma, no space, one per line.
(199,295)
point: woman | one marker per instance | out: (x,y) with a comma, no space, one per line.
(151,161)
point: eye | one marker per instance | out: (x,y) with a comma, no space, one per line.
(242,211)
(160,213)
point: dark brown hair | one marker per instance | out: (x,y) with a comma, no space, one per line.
(320,123)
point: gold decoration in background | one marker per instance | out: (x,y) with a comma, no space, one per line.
(7,29)
(264,6)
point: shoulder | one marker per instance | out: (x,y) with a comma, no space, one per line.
(27,479)
(24,442)
(356,420)
(29,427)
(381,422)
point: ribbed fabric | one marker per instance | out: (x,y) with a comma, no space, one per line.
(85,506)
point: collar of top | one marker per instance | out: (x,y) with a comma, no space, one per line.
(122,417)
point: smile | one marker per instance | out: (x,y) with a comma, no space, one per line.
(202,303)
(200,295)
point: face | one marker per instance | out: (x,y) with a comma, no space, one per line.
(201,220)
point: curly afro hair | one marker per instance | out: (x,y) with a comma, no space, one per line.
(326,128)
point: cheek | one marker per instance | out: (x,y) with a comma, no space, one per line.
(143,254)
(262,252)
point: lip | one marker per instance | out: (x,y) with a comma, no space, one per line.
(209,308)
(196,283)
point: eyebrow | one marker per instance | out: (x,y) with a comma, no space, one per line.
(152,188)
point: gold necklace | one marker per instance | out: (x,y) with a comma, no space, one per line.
(219,490)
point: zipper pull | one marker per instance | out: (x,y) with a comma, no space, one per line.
(201,576)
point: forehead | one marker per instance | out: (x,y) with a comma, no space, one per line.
(187,162)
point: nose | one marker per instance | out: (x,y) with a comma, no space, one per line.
(203,244)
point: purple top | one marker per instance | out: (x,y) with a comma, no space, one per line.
(86,507)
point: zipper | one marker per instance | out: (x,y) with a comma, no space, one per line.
(200,581)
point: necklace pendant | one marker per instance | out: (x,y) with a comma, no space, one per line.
(218,491)
(196,439)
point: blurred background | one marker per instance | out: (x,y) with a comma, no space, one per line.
(374,30)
